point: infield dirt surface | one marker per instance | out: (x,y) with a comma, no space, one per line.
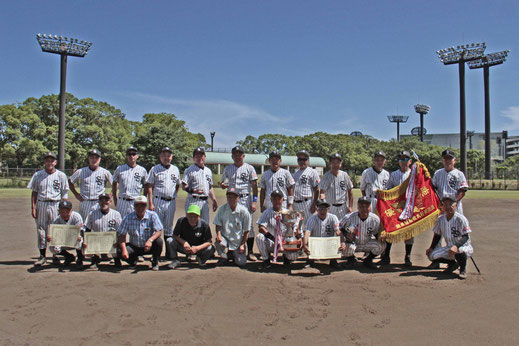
(226,305)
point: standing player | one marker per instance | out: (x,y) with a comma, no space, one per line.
(92,180)
(306,191)
(397,177)
(374,178)
(128,179)
(455,229)
(449,180)
(276,178)
(48,187)
(335,186)
(362,232)
(103,219)
(243,178)
(162,183)
(198,183)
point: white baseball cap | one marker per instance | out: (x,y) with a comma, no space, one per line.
(140,199)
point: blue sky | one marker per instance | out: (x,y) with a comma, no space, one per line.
(254,67)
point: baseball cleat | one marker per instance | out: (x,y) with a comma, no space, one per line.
(174,264)
(41,261)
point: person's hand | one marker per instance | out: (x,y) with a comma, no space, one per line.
(147,245)
(198,191)
(187,247)
(49,238)
(34,213)
(382,238)
(349,209)
(253,206)
(313,208)
(453,250)
(215,205)
(224,185)
(306,249)
(428,252)
(218,237)
(84,245)
(290,207)
(152,207)
(124,253)
(241,249)
(343,246)
(194,249)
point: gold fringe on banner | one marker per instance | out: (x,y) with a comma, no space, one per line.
(412,230)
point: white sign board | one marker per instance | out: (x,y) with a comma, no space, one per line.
(324,247)
(64,235)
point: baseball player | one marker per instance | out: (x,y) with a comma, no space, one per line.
(397,177)
(306,190)
(144,229)
(128,180)
(454,228)
(276,178)
(374,178)
(322,224)
(267,223)
(103,219)
(242,177)
(361,231)
(449,180)
(162,183)
(335,186)
(233,222)
(198,183)
(48,186)
(92,180)
(67,217)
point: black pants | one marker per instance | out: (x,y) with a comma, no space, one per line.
(135,251)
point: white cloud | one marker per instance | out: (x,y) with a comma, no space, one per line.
(512,113)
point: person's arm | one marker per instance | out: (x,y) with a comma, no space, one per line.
(436,239)
(254,185)
(350,200)
(122,245)
(243,244)
(262,200)
(211,195)
(114,192)
(460,195)
(34,201)
(72,188)
(223,183)
(154,236)
(266,233)
(218,233)
(315,197)
(322,194)
(149,188)
(305,242)
(290,199)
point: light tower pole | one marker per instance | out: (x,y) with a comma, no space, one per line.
(460,55)
(212,140)
(486,62)
(422,110)
(398,119)
(63,46)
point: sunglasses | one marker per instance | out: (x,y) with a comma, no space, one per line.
(405,159)
(302,159)
(131,154)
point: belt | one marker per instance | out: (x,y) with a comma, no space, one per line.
(303,200)
(165,198)
(48,200)
(244,195)
(126,198)
(338,204)
(97,199)
(203,198)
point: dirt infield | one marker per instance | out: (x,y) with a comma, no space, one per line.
(221,306)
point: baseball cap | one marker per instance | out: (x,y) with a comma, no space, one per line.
(140,199)
(50,154)
(404,153)
(322,203)
(303,153)
(237,148)
(449,197)
(198,150)
(104,195)
(274,153)
(364,199)
(380,153)
(94,152)
(448,152)
(166,148)
(193,209)
(335,156)
(232,190)
(65,204)
(132,148)
(276,192)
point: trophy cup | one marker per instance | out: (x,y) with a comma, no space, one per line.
(291,245)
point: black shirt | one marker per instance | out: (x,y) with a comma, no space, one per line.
(195,236)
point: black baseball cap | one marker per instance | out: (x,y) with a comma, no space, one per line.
(404,153)
(323,203)
(449,197)
(94,152)
(335,156)
(198,150)
(277,192)
(166,148)
(380,153)
(364,199)
(448,152)
(274,153)
(50,154)
(303,153)
(104,195)
(232,190)
(65,204)
(238,148)
(132,148)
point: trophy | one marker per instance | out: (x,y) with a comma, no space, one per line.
(291,245)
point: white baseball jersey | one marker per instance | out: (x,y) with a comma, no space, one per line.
(372,181)
(336,187)
(452,230)
(164,180)
(92,183)
(449,183)
(365,230)
(75,220)
(240,177)
(268,220)
(198,179)
(130,180)
(50,187)
(305,183)
(270,181)
(397,177)
(322,228)
(96,221)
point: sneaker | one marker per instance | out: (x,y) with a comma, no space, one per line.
(140,259)
(117,262)
(434,265)
(69,260)
(41,261)
(451,268)
(155,266)
(56,261)
(407,262)
(369,263)
(334,264)
(132,265)
(199,260)
(265,265)
(350,263)
(251,257)
(222,261)
(174,264)
(385,260)
(79,263)
(463,274)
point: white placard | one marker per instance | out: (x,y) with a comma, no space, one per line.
(64,235)
(100,243)
(324,247)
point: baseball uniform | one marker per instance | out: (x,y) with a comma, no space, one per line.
(306,181)
(75,220)
(96,221)
(278,180)
(452,231)
(336,191)
(450,183)
(50,189)
(268,220)
(130,180)
(198,178)
(365,234)
(92,184)
(322,228)
(372,181)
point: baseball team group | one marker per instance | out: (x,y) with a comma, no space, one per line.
(145,206)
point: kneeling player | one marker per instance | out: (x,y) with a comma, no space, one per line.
(67,217)
(455,229)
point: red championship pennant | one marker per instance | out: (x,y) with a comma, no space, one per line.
(409,208)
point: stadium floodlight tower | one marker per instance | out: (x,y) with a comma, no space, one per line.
(422,110)
(485,63)
(398,119)
(212,140)
(356,134)
(460,55)
(417,131)
(63,46)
